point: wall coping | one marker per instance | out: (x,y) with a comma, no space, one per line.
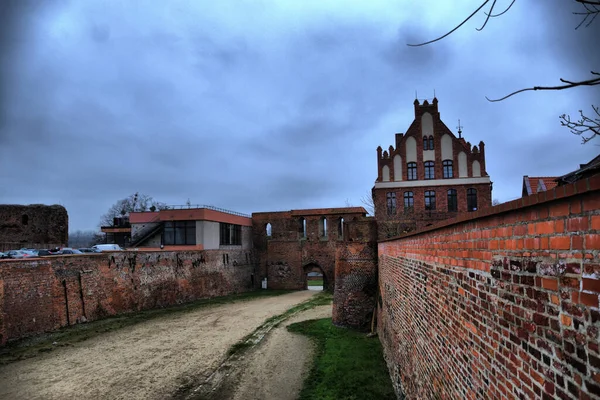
(586,185)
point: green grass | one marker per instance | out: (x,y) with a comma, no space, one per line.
(348,364)
(315,283)
(67,336)
(320,299)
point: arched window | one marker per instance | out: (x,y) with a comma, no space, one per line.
(409,201)
(429,170)
(448,172)
(341,228)
(471,199)
(425,143)
(391,203)
(411,171)
(25,219)
(268,229)
(323,227)
(452,200)
(302,227)
(430,200)
(430,142)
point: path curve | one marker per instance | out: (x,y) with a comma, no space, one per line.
(150,360)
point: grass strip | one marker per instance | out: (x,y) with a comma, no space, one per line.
(348,364)
(315,282)
(320,299)
(67,336)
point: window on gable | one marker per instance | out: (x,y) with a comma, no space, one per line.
(429,170)
(411,171)
(471,199)
(430,200)
(452,200)
(448,172)
(391,203)
(425,143)
(409,201)
(430,142)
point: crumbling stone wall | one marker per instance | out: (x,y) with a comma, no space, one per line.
(499,304)
(35,225)
(44,294)
(354,298)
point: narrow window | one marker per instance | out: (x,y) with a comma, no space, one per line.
(430,142)
(448,172)
(341,228)
(324,227)
(425,143)
(302,227)
(268,229)
(452,200)
(227,258)
(429,170)
(430,200)
(391,203)
(409,201)
(411,171)
(25,219)
(471,200)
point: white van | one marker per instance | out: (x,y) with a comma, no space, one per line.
(106,247)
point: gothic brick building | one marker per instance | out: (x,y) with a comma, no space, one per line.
(429,176)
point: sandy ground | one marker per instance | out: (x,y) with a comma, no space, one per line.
(151,360)
(277,367)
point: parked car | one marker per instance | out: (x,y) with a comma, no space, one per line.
(19,254)
(68,250)
(44,253)
(87,250)
(3,255)
(106,247)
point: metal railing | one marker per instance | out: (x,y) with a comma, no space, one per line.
(191,206)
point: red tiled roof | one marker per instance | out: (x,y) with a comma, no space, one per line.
(536,184)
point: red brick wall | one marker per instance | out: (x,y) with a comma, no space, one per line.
(502,305)
(285,257)
(418,217)
(41,295)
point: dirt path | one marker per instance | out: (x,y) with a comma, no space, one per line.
(151,360)
(277,367)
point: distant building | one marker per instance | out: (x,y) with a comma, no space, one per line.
(119,232)
(584,171)
(430,175)
(36,226)
(536,184)
(191,228)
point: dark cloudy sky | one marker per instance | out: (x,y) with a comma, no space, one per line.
(271,105)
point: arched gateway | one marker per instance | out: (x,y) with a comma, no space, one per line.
(313,271)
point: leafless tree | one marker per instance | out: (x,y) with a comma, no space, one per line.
(587,127)
(134,202)
(368,203)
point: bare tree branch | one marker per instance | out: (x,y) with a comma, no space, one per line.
(455,28)
(503,12)
(587,127)
(569,85)
(487,16)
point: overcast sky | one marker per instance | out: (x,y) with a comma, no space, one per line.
(272,105)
